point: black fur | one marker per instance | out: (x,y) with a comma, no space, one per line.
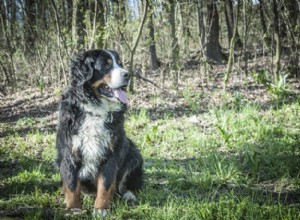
(121,157)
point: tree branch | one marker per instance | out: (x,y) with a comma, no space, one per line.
(137,75)
(140,27)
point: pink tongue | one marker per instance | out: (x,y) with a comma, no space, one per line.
(121,95)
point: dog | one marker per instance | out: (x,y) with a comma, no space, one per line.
(94,154)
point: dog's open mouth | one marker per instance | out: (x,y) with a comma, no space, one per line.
(114,94)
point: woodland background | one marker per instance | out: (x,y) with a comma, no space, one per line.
(39,37)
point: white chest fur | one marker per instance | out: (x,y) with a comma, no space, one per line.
(93,138)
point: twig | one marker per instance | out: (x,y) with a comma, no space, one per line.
(124,38)
(137,75)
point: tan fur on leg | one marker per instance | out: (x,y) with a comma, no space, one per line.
(72,198)
(104,196)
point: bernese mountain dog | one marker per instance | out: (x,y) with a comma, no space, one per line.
(94,154)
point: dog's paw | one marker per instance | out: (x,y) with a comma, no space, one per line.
(129,196)
(101,212)
(73,212)
(76,211)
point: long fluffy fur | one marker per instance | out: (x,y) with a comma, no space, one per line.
(91,139)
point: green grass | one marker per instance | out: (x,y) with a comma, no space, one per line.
(235,161)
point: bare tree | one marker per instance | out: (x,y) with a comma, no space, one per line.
(262,17)
(119,12)
(246,18)
(278,41)
(290,17)
(100,41)
(231,49)
(212,47)
(174,45)
(132,48)
(77,23)
(201,24)
(30,26)
(230,23)
(154,63)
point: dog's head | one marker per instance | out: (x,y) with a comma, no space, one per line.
(101,72)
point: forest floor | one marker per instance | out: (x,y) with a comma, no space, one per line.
(209,153)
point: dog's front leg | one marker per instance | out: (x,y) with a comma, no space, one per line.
(72,197)
(106,186)
(71,184)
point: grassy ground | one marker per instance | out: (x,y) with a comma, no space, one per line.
(208,154)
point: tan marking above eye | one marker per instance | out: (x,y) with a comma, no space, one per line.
(119,62)
(109,61)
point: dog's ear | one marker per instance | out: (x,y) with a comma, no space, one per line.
(82,68)
(88,67)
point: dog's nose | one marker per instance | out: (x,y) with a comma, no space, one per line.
(126,75)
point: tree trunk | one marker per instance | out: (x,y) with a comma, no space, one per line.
(78,24)
(135,44)
(59,44)
(292,9)
(69,14)
(184,32)
(201,25)
(119,12)
(74,23)
(13,18)
(291,17)
(3,20)
(231,51)
(30,27)
(245,36)
(100,41)
(201,37)
(262,17)
(88,25)
(278,42)
(230,23)
(7,48)
(213,48)
(174,46)
(152,48)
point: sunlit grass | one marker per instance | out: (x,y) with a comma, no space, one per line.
(236,161)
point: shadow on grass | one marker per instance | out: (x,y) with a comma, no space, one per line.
(26,185)
(191,183)
(267,171)
(195,179)
(25,108)
(22,132)
(35,107)
(24,176)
